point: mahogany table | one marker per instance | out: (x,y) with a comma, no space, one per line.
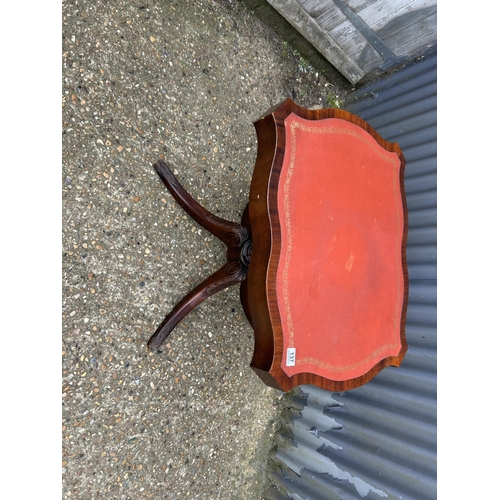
(320,251)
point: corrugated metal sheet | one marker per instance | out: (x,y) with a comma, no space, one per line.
(379,441)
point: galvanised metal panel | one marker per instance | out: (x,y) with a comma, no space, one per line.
(379,441)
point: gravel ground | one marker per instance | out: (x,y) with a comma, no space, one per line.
(183,80)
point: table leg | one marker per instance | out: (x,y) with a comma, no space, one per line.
(230,233)
(228,275)
(236,237)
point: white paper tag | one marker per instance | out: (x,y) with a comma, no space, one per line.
(290,356)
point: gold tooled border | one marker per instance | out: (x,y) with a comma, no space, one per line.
(293,122)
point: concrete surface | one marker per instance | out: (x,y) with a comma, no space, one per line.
(182,79)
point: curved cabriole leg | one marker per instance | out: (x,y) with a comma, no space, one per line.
(230,233)
(228,275)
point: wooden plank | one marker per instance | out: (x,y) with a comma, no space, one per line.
(330,18)
(403,21)
(422,34)
(404,36)
(333,16)
(327,15)
(383,11)
(310,30)
(348,37)
(316,8)
(403,26)
(369,59)
(343,33)
(356,45)
(358,5)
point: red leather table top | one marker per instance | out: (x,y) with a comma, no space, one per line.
(339,282)
(327,286)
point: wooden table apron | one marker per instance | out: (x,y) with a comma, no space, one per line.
(328,280)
